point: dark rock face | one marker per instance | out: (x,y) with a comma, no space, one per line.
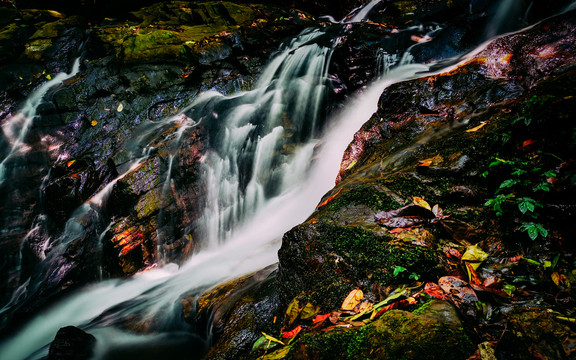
(71,343)
(91,204)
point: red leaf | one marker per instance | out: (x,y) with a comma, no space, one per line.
(453,253)
(320,318)
(434,290)
(290,334)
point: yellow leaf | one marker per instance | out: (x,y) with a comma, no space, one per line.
(474,129)
(272,338)
(309,311)
(556,278)
(70,163)
(48,77)
(120,107)
(475,256)
(421,202)
(293,311)
(353,299)
(94,123)
(351,165)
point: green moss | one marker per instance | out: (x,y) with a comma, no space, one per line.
(364,195)
(372,256)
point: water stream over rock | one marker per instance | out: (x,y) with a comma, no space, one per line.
(271,155)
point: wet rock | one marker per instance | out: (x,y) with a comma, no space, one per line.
(432,332)
(326,261)
(537,333)
(71,343)
(236,312)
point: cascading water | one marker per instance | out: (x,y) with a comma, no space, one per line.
(16,128)
(260,184)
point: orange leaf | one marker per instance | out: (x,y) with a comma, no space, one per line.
(472,274)
(320,318)
(398,230)
(435,160)
(474,129)
(93,123)
(70,163)
(329,199)
(353,299)
(290,334)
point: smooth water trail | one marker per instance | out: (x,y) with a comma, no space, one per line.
(254,135)
(16,127)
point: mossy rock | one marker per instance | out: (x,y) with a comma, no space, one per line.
(326,261)
(435,333)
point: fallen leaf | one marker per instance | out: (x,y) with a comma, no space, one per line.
(69,163)
(293,311)
(395,305)
(309,311)
(421,202)
(353,299)
(120,107)
(48,77)
(320,318)
(93,123)
(559,279)
(290,334)
(434,290)
(263,343)
(474,129)
(351,165)
(435,160)
(458,288)
(453,253)
(329,199)
(272,338)
(474,255)
(472,274)
(398,230)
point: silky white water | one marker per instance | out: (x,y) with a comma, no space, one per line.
(17,126)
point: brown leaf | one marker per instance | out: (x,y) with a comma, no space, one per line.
(474,129)
(416,200)
(353,299)
(458,288)
(434,290)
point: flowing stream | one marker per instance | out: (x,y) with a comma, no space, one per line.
(271,159)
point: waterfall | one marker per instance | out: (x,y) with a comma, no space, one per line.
(16,127)
(253,135)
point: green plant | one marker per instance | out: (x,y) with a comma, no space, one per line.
(524,181)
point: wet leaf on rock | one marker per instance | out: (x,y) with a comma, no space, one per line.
(309,311)
(474,255)
(293,311)
(292,333)
(353,299)
(458,288)
(320,318)
(434,290)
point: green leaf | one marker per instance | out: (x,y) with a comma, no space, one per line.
(542,187)
(398,270)
(508,183)
(533,233)
(550,173)
(309,311)
(263,343)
